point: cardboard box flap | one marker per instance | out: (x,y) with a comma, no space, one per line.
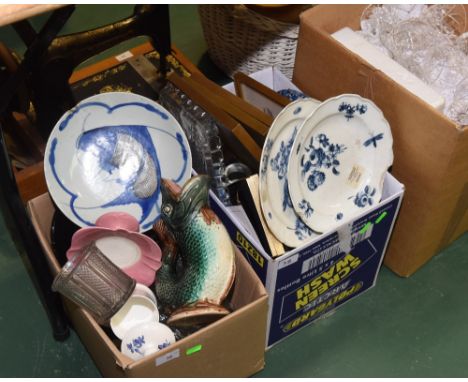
(331,17)
(41,211)
(246,277)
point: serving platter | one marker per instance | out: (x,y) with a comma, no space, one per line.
(338,161)
(109,154)
(275,202)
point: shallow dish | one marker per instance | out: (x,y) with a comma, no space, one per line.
(137,310)
(276,204)
(109,153)
(338,161)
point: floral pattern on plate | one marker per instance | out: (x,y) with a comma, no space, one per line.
(279,164)
(365,197)
(338,161)
(323,155)
(302,231)
(275,201)
(349,110)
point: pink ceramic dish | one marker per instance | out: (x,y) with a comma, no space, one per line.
(116,235)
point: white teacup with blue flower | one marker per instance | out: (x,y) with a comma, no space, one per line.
(143,340)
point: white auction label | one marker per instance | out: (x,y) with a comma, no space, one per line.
(167,357)
(123,56)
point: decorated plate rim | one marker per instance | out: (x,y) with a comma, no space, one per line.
(281,232)
(315,218)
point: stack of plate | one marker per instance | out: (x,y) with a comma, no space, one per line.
(322,163)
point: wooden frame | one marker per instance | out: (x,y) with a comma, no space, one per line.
(217,110)
(259,95)
(236,102)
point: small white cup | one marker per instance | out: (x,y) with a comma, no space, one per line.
(143,290)
(139,309)
(146,339)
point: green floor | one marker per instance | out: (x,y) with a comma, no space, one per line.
(415,327)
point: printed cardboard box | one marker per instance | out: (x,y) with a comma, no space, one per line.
(430,150)
(309,281)
(273,78)
(233,346)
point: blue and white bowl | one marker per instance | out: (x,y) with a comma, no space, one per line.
(109,154)
(143,340)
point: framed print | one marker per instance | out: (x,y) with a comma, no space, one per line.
(259,95)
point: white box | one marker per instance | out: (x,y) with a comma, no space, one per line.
(309,281)
(358,45)
(272,78)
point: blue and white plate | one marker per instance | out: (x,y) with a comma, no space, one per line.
(273,186)
(109,153)
(338,161)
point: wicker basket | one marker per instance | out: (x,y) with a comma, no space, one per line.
(240,39)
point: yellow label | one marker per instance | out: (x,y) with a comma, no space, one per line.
(355,176)
(322,307)
(327,279)
(249,248)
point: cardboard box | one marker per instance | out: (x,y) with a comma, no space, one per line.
(292,279)
(233,346)
(310,281)
(430,150)
(273,78)
(378,59)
